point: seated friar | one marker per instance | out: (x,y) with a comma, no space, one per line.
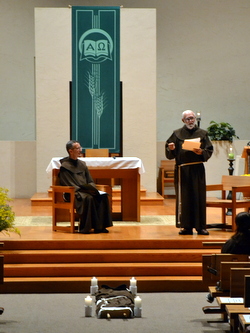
(91,205)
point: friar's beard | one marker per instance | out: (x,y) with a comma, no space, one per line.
(190,126)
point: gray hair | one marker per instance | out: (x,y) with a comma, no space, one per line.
(186,112)
(69,144)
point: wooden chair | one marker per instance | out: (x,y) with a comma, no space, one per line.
(63,211)
(166,174)
(234,184)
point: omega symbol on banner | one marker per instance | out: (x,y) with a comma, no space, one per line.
(96,46)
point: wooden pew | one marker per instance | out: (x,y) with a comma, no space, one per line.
(225,273)
(236,312)
(247,291)
(231,285)
(211,265)
(244,319)
(238,280)
(244,323)
(233,311)
(239,314)
(236,292)
(235,295)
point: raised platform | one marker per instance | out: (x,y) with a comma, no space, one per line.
(147,198)
(42,261)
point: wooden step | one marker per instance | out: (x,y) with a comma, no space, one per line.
(104,244)
(75,256)
(97,269)
(147,198)
(82,284)
(96,256)
(41,199)
(46,261)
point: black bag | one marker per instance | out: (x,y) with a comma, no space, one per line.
(114,302)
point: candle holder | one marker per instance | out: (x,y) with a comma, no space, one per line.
(231,166)
(198,118)
(137,311)
(94,286)
(137,308)
(133,289)
(88,306)
(88,310)
(93,290)
(231,171)
(133,286)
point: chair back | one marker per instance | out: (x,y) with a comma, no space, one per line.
(97,152)
(55,178)
(168,167)
(234,181)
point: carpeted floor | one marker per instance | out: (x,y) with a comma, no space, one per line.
(47,221)
(63,313)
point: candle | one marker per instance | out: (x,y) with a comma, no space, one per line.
(137,308)
(231,153)
(133,282)
(137,301)
(94,281)
(88,306)
(88,301)
(94,286)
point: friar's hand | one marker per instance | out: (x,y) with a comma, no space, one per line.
(171,146)
(197,151)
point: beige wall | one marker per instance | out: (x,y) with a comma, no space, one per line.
(18,167)
(53,73)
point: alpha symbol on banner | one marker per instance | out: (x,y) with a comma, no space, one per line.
(95,46)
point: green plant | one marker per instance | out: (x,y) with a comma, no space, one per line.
(221,131)
(7,216)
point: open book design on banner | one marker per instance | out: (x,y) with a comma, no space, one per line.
(96,77)
(96,51)
(191,144)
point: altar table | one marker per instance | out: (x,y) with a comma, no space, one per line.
(127,169)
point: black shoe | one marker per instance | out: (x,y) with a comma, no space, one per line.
(202,232)
(99,231)
(210,298)
(84,232)
(186,232)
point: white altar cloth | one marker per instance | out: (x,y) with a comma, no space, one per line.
(102,162)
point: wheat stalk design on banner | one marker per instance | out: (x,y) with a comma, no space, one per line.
(98,103)
(91,84)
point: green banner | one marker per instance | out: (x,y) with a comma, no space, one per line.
(96,114)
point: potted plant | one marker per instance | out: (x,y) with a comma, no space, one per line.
(221,131)
(7,216)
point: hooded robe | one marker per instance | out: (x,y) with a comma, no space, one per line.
(191,213)
(92,207)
